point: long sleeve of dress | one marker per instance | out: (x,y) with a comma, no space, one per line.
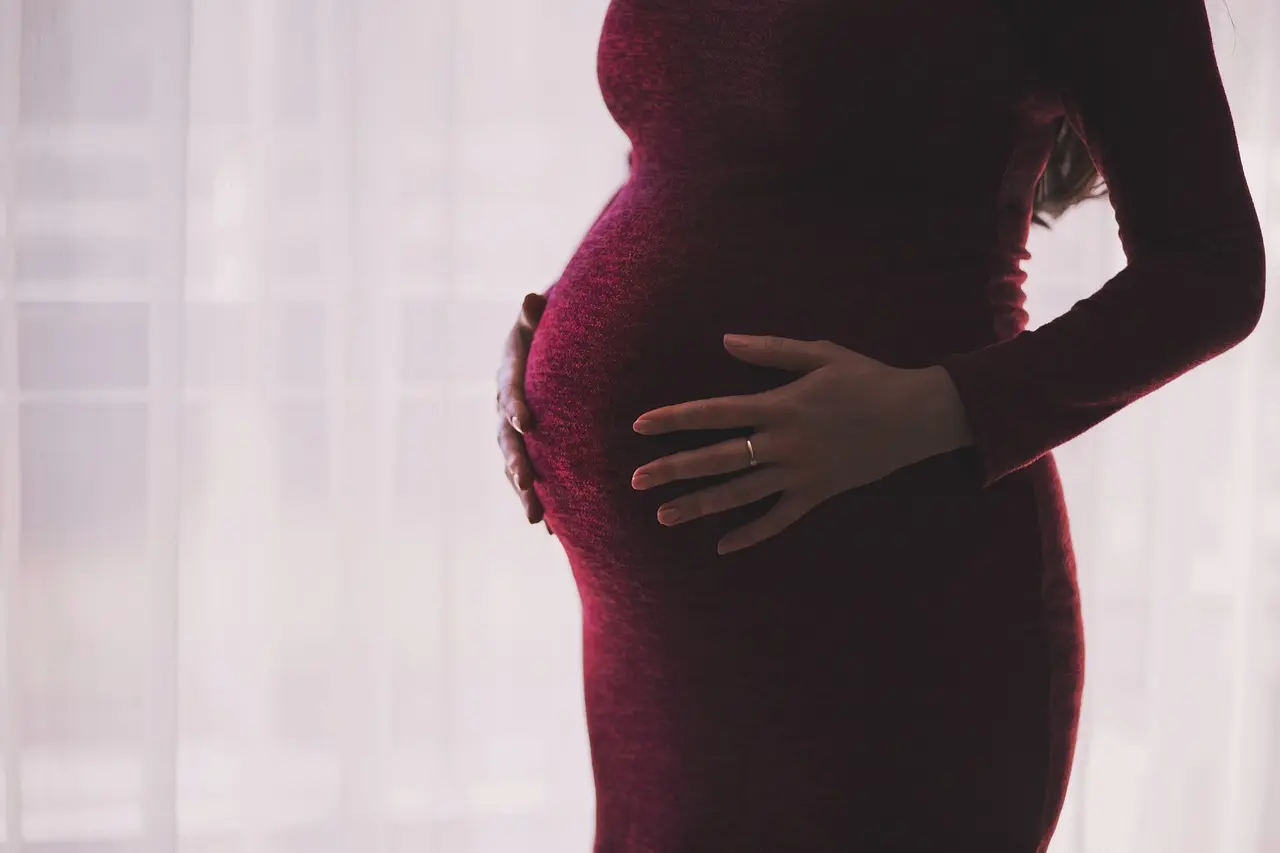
(1140,82)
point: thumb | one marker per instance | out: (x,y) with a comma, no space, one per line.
(787,353)
(531,309)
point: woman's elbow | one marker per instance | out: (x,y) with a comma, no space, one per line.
(1248,292)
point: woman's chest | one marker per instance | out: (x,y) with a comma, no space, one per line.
(742,66)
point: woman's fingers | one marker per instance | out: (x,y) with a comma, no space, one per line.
(519,470)
(722,458)
(532,506)
(515,356)
(511,404)
(531,310)
(786,512)
(514,414)
(739,491)
(746,410)
(514,456)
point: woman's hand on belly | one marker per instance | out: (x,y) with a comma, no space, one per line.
(849,421)
(514,419)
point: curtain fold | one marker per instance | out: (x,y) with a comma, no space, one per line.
(264,585)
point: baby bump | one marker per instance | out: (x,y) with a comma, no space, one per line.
(590,376)
(592,370)
(637,321)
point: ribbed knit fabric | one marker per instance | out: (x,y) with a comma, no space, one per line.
(901,670)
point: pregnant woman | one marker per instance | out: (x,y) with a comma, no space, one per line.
(828,592)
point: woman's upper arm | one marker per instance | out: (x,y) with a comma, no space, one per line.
(1140,82)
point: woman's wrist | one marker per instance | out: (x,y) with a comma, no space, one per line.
(941,422)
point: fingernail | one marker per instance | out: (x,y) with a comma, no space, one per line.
(515,423)
(641,425)
(668,515)
(735,340)
(641,481)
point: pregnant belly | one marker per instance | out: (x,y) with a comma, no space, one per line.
(637,319)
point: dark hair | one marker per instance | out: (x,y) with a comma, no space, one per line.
(1070,177)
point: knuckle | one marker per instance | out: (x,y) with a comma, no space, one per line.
(787,446)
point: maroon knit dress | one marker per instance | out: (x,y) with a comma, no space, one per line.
(901,670)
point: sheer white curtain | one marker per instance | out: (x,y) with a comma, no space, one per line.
(264,585)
